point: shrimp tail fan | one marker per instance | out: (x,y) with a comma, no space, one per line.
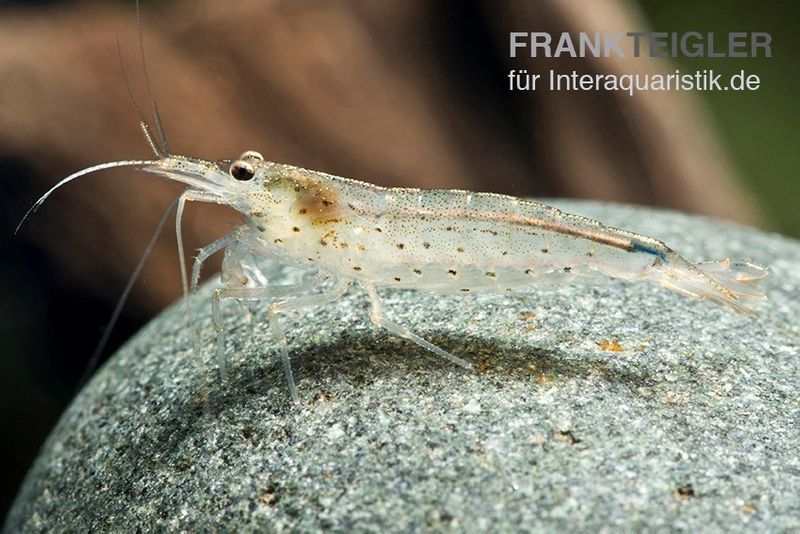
(744,278)
(727,283)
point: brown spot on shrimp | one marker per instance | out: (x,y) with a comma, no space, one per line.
(323,222)
(332,236)
(317,202)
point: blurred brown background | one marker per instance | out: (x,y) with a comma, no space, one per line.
(409,93)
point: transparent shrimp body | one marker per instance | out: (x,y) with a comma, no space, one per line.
(447,241)
(344,231)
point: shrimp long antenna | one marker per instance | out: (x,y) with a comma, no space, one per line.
(156,115)
(101,345)
(83,172)
(159,151)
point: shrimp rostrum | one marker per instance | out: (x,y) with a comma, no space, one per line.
(445,241)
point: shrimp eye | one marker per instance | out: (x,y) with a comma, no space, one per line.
(242,170)
(252,154)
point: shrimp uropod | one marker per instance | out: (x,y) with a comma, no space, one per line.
(446,241)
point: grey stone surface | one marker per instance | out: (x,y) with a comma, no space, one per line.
(694,423)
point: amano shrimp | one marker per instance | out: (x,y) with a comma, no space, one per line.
(445,241)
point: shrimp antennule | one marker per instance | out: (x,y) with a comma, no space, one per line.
(158,149)
(162,136)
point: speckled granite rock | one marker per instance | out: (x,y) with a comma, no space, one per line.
(615,405)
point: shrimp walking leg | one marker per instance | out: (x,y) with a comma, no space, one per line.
(203,255)
(240,294)
(299,303)
(271,294)
(377,317)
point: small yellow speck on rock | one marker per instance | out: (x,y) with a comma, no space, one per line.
(610,345)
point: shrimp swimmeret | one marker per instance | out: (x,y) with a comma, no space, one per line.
(446,241)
